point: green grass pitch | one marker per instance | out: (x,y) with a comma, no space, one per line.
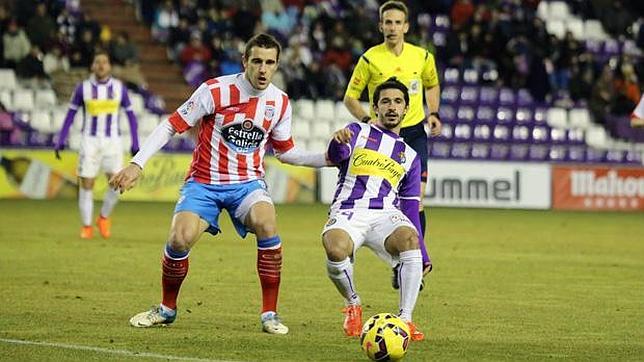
(508,285)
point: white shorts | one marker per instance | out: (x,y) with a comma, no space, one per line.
(99,153)
(369,228)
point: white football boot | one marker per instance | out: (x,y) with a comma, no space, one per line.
(272,324)
(153,317)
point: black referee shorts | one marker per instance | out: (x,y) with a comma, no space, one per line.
(416,137)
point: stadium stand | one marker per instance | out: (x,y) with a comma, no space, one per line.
(521,80)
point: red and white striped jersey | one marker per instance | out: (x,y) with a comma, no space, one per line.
(237,123)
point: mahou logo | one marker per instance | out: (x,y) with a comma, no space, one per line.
(598,188)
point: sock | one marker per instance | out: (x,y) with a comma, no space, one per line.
(423,222)
(269,269)
(341,274)
(410,275)
(85,205)
(174,267)
(109,201)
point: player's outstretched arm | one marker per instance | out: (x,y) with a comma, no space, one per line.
(126,178)
(299,157)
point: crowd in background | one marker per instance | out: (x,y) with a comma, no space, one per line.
(503,39)
(43,38)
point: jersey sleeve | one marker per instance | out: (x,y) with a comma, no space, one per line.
(280,137)
(359,78)
(410,184)
(429,75)
(77,98)
(338,152)
(189,113)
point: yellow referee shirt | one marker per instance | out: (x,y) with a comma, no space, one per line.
(414,67)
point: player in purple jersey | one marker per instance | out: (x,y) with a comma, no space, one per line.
(101,98)
(376,205)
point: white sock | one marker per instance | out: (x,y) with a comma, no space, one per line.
(341,274)
(410,275)
(85,205)
(109,201)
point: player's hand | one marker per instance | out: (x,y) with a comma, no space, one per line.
(342,135)
(427,267)
(126,178)
(134,151)
(435,125)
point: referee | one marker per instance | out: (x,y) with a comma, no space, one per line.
(414,67)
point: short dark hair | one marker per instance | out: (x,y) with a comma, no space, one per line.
(262,40)
(391,83)
(393,4)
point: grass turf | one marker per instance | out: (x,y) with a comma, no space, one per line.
(508,285)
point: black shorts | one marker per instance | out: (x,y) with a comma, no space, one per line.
(416,137)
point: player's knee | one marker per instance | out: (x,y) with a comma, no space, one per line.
(401,240)
(182,237)
(265,228)
(336,247)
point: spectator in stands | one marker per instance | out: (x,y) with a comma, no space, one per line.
(41,28)
(626,87)
(245,21)
(602,95)
(461,12)
(179,37)
(188,10)
(67,25)
(195,51)
(615,18)
(55,61)
(4,19)
(87,23)
(123,51)
(31,69)
(15,43)
(165,19)
(83,50)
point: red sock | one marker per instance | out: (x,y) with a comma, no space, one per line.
(269,268)
(173,274)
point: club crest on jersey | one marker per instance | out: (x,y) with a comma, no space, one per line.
(187,108)
(243,137)
(269,112)
(401,157)
(396,218)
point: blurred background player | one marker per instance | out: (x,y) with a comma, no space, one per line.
(101,96)
(637,117)
(237,116)
(415,67)
(376,205)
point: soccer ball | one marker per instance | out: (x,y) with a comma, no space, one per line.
(385,337)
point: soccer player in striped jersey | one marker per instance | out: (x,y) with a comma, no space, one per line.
(101,98)
(237,117)
(415,67)
(376,205)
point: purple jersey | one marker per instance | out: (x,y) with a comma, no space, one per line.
(377,169)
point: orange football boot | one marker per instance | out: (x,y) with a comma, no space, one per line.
(86,232)
(104,225)
(352,320)
(416,335)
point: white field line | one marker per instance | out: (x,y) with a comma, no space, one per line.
(121,352)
